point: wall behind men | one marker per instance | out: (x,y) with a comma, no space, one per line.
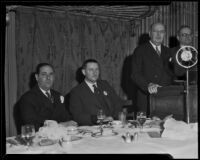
(66,40)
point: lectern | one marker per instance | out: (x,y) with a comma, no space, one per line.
(171,100)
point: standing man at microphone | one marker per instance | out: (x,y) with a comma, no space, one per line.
(150,66)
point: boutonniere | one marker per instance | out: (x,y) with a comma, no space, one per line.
(62,99)
(105,93)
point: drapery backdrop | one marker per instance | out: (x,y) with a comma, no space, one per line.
(66,40)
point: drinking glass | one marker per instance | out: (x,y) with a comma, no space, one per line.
(28,133)
(101,116)
(141,118)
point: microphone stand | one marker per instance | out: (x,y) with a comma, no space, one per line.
(187,98)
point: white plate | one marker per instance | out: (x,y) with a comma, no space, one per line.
(116,122)
(98,134)
(72,138)
(47,142)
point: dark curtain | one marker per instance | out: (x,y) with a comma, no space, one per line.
(66,41)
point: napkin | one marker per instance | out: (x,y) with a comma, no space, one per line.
(179,130)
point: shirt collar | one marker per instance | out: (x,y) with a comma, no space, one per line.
(43,91)
(182,45)
(91,85)
(154,46)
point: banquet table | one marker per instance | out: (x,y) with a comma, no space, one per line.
(115,144)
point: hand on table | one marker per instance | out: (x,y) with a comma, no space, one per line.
(107,119)
(69,123)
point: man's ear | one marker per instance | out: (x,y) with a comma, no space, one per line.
(178,37)
(83,71)
(36,77)
(149,34)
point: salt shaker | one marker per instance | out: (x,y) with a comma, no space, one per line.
(122,118)
(135,136)
(128,137)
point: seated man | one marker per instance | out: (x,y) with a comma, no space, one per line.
(43,103)
(93,94)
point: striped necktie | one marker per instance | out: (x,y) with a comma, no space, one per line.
(157,50)
(49,97)
(96,89)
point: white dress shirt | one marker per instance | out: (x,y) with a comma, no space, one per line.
(91,85)
(154,46)
(43,91)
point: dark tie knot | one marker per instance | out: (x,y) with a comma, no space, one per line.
(96,89)
(50,97)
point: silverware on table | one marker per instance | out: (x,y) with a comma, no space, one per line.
(60,142)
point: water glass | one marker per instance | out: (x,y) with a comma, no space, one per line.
(141,118)
(28,133)
(101,115)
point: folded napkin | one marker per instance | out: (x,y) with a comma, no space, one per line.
(52,130)
(179,130)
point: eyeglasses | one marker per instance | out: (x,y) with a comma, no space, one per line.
(186,35)
(161,32)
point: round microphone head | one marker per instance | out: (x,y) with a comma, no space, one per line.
(187,56)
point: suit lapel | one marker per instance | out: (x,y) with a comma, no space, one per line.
(156,59)
(47,103)
(105,97)
(91,94)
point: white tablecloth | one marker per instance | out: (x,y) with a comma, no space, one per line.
(116,145)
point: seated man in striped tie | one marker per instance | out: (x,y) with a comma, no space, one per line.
(92,95)
(42,102)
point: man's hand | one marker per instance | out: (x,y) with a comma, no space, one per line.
(153,88)
(68,123)
(107,119)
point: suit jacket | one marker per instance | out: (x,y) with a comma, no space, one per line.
(147,67)
(84,104)
(35,108)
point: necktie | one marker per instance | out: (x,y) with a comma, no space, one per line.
(157,50)
(96,89)
(49,97)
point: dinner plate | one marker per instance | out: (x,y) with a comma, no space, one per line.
(153,123)
(47,142)
(154,134)
(116,122)
(98,134)
(72,138)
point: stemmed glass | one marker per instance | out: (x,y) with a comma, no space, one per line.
(141,118)
(101,116)
(27,134)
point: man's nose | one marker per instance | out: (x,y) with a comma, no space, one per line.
(48,76)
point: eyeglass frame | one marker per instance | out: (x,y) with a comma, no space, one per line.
(186,35)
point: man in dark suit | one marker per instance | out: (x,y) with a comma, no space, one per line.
(93,94)
(150,66)
(42,102)
(184,36)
